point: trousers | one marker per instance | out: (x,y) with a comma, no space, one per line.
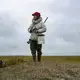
(35,47)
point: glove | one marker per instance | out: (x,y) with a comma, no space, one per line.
(36,31)
(30,31)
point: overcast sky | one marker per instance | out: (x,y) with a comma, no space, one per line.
(63,26)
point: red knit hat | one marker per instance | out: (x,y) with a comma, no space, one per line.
(36,14)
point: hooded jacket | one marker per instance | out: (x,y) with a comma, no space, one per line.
(37,27)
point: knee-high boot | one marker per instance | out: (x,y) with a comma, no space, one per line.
(39,57)
(34,58)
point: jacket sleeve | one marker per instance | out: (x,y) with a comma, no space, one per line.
(42,29)
(30,27)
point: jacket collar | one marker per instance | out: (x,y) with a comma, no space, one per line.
(37,21)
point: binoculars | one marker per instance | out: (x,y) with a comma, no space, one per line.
(28,42)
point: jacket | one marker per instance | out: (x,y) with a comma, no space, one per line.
(36,28)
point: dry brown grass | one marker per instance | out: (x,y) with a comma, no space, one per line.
(14,61)
(51,68)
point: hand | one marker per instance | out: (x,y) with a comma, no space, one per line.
(30,31)
(36,31)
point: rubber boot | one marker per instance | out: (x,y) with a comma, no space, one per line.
(34,58)
(39,58)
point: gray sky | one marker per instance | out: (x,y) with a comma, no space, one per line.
(63,31)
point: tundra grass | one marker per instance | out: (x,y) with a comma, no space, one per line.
(44,58)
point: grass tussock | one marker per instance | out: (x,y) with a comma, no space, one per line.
(14,61)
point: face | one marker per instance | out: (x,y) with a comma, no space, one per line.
(35,17)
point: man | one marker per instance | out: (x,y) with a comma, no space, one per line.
(36,29)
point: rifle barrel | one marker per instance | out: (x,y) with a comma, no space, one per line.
(45,19)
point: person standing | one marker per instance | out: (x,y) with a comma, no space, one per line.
(36,29)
